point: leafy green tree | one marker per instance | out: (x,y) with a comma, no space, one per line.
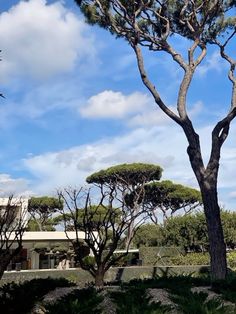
(149,234)
(229,227)
(41,210)
(97,214)
(49,225)
(130,175)
(154,24)
(104,226)
(130,179)
(188,231)
(165,198)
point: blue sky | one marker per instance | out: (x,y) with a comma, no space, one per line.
(75,103)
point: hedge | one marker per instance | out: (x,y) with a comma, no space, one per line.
(157,256)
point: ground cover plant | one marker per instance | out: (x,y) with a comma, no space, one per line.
(134,301)
(186,294)
(20,298)
(133,295)
(80,301)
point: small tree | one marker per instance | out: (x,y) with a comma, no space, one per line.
(149,234)
(188,231)
(167,197)
(103,231)
(13,217)
(154,24)
(128,179)
(41,210)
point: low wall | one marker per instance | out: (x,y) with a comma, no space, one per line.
(82,277)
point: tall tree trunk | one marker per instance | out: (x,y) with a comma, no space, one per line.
(3,267)
(99,277)
(5,260)
(207,180)
(217,247)
(129,236)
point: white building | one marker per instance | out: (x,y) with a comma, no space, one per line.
(20,206)
(41,249)
(45,249)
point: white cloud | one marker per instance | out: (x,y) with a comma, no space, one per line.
(137,109)
(38,101)
(110,104)
(232,195)
(149,118)
(163,145)
(41,40)
(213,62)
(10,186)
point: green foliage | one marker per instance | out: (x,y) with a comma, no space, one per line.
(20,298)
(177,284)
(94,215)
(148,235)
(44,204)
(82,301)
(197,303)
(41,210)
(131,297)
(205,19)
(229,227)
(33,225)
(165,198)
(158,256)
(89,260)
(135,301)
(227,288)
(189,231)
(231,259)
(191,259)
(186,301)
(127,174)
(168,195)
(154,256)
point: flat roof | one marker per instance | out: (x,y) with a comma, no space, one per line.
(50,235)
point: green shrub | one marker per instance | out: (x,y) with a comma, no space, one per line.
(171,256)
(82,301)
(133,300)
(157,256)
(191,259)
(89,260)
(20,298)
(231,259)
(227,288)
(197,303)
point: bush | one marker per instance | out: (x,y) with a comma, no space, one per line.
(191,259)
(20,298)
(134,300)
(231,259)
(89,260)
(158,256)
(82,301)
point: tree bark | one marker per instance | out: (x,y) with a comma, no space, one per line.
(217,247)
(6,258)
(129,237)
(99,277)
(207,180)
